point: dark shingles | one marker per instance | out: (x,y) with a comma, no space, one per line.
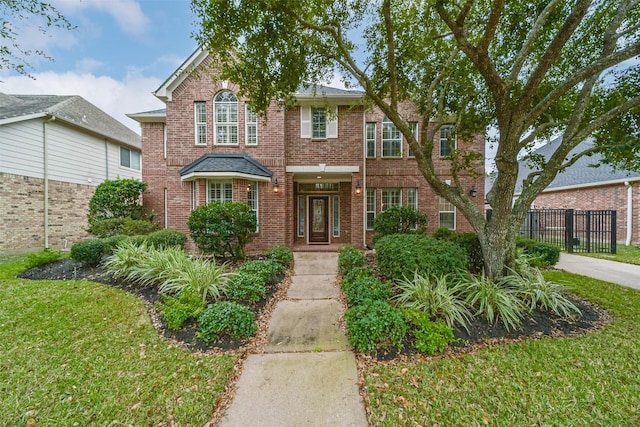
(232,163)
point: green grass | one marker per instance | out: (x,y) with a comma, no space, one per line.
(627,254)
(580,381)
(82,353)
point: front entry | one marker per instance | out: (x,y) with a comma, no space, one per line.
(318,219)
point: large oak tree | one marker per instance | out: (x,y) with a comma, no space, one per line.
(528,69)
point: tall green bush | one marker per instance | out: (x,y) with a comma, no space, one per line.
(118,198)
(222,228)
(399,220)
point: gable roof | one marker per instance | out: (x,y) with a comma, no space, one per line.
(583,173)
(73,110)
(214,165)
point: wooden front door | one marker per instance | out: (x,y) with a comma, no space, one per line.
(318,219)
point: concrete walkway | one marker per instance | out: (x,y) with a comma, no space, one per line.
(610,271)
(308,375)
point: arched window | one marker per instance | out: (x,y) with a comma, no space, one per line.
(226,118)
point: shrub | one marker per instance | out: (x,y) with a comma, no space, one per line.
(88,252)
(536,292)
(111,243)
(263,269)
(119,198)
(401,255)
(282,255)
(355,274)
(429,337)
(127,226)
(367,288)
(399,220)
(375,325)
(467,241)
(247,287)
(350,258)
(178,309)
(226,318)
(137,227)
(540,254)
(494,301)
(167,238)
(436,297)
(222,228)
(444,233)
(43,257)
(205,277)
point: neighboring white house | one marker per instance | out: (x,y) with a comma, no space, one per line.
(54,151)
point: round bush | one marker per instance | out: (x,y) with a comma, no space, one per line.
(226,317)
(126,226)
(545,253)
(375,325)
(111,243)
(262,269)
(281,254)
(117,198)
(367,288)
(399,220)
(247,287)
(401,255)
(88,252)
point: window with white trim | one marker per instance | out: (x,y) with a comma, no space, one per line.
(371,207)
(414,130)
(447,141)
(301,204)
(391,139)
(200,110)
(336,216)
(391,197)
(252,199)
(251,126)
(219,191)
(226,118)
(318,123)
(129,158)
(447,213)
(371,140)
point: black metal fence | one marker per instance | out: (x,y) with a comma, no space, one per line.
(573,230)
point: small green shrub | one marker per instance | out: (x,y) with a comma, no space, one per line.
(162,239)
(43,257)
(467,241)
(429,337)
(350,258)
(540,254)
(367,288)
(355,274)
(401,255)
(111,243)
(137,227)
(399,220)
(178,309)
(263,269)
(444,233)
(375,325)
(247,287)
(113,226)
(88,252)
(283,255)
(226,317)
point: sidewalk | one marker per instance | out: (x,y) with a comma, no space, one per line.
(610,271)
(308,375)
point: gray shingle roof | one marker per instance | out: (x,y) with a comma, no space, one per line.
(320,90)
(230,163)
(71,109)
(582,172)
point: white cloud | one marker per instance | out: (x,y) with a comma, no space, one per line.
(88,65)
(127,13)
(116,98)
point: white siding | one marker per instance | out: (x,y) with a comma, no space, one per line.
(21,148)
(117,171)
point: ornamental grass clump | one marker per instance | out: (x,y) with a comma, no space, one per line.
(205,277)
(494,301)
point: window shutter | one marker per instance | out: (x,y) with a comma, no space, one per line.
(305,122)
(332,122)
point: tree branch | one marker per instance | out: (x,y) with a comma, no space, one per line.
(492,26)
(391,54)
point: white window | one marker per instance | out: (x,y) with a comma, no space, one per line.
(129,158)
(251,126)
(336,216)
(391,139)
(226,118)
(447,141)
(371,207)
(201,122)
(391,197)
(414,131)
(301,216)
(447,214)
(371,140)
(319,123)
(219,191)
(252,199)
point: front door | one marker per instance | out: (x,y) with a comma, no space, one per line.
(318,219)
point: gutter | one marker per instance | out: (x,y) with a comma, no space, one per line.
(46,179)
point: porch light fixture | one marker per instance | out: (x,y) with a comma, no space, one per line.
(473,192)
(248,188)
(358,188)
(276,186)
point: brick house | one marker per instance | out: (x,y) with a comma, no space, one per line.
(587,187)
(315,174)
(55,151)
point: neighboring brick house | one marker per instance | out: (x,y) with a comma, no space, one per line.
(318,173)
(586,187)
(54,151)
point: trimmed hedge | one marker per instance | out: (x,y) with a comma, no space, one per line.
(126,226)
(163,239)
(467,241)
(88,252)
(540,253)
(375,325)
(367,288)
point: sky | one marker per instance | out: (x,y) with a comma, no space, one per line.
(120,52)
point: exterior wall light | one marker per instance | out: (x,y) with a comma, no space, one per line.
(358,188)
(473,192)
(276,186)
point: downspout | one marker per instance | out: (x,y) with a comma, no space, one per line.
(364,179)
(629,212)
(46,180)
(106,158)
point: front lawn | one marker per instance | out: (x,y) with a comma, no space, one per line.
(83,353)
(587,380)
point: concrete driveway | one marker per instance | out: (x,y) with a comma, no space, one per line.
(610,271)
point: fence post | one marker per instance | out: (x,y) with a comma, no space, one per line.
(588,226)
(568,229)
(614,231)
